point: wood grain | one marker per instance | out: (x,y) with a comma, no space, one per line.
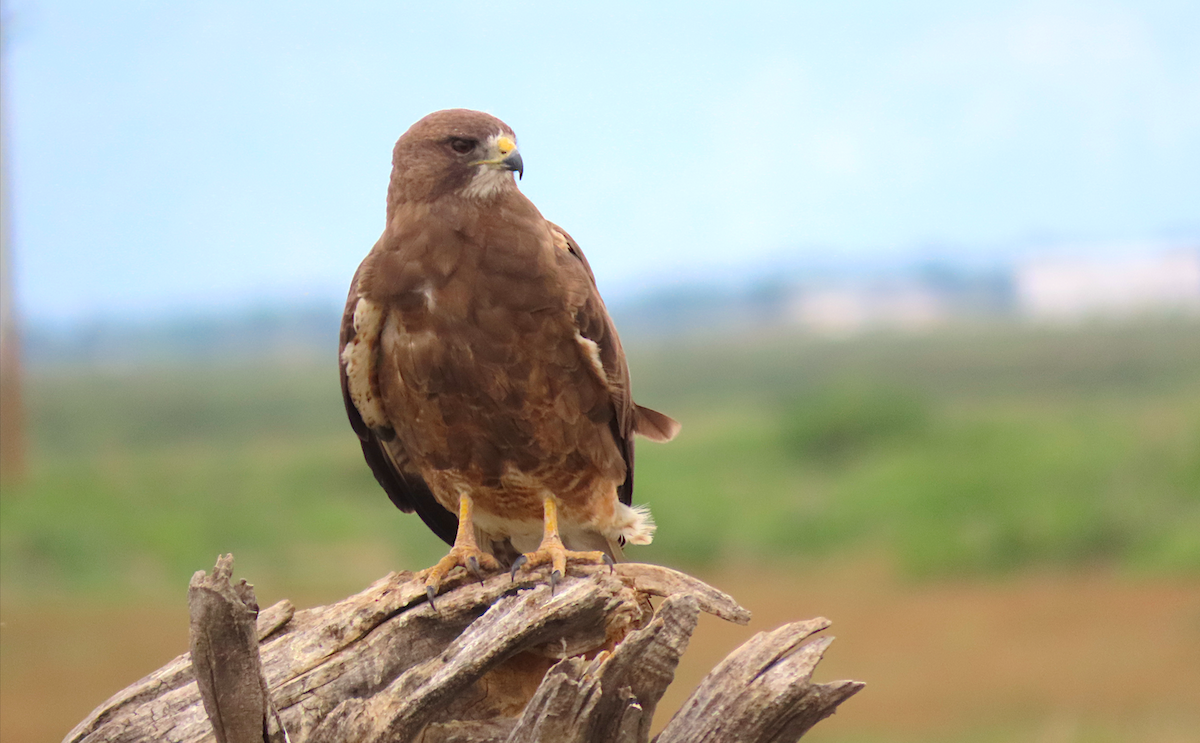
(497,660)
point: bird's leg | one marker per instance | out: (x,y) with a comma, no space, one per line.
(552,551)
(465,552)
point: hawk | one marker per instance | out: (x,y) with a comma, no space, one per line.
(480,369)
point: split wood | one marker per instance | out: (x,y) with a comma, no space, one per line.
(493,661)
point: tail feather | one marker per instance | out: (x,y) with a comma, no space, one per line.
(654,425)
(593,541)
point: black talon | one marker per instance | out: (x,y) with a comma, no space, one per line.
(430,592)
(473,567)
(612,566)
(517,563)
(555,577)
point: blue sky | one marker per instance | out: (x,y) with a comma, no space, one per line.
(172,156)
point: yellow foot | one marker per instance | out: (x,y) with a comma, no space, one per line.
(557,556)
(552,551)
(465,552)
(476,561)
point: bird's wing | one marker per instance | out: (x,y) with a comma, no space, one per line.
(358,351)
(600,344)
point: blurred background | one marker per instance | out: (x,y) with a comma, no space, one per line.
(921,280)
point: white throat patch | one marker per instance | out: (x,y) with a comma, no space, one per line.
(487,181)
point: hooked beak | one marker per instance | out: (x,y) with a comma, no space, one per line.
(513,162)
(504,155)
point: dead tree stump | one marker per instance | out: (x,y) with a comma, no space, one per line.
(497,661)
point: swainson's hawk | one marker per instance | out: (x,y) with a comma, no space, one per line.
(480,369)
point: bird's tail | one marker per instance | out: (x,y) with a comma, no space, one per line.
(594,541)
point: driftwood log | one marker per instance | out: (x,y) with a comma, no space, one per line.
(492,661)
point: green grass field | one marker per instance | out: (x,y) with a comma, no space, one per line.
(969,452)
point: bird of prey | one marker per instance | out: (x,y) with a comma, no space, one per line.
(480,369)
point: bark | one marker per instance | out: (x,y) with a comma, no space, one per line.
(776,699)
(493,661)
(225,658)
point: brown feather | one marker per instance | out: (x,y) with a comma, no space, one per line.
(655,425)
(494,366)
(404,487)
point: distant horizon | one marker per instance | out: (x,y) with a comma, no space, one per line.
(789,269)
(921,293)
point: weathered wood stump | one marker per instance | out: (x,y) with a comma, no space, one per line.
(497,660)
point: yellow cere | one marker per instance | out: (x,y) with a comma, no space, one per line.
(505,145)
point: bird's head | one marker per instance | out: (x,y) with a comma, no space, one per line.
(454,151)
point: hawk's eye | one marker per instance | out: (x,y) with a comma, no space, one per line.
(462,146)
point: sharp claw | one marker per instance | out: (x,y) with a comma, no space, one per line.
(430,591)
(517,563)
(612,567)
(555,577)
(473,567)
